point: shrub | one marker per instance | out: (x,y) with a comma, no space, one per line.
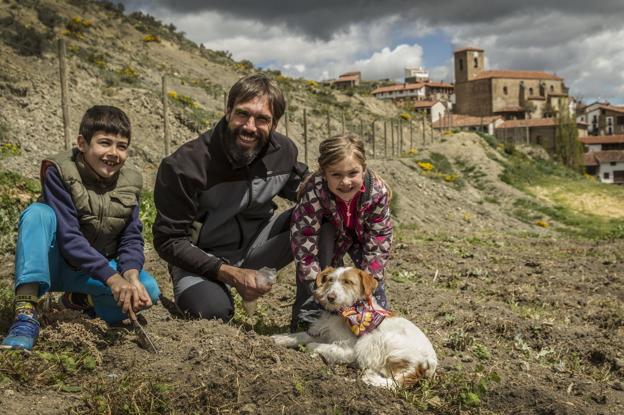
(151,38)
(25,40)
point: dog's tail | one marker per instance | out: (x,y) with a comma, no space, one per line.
(407,374)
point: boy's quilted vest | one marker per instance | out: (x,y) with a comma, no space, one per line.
(103,205)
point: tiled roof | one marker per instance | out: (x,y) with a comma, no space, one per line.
(531,122)
(511,109)
(458,120)
(609,108)
(534,122)
(398,87)
(608,156)
(347,78)
(516,75)
(424,104)
(602,139)
(589,159)
(439,85)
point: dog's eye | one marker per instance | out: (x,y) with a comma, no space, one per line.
(348,282)
(323,279)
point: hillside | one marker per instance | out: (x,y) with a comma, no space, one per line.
(511,264)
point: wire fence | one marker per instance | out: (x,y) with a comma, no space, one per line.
(384,137)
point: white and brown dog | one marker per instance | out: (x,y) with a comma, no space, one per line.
(391,350)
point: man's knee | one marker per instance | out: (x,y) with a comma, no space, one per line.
(206,301)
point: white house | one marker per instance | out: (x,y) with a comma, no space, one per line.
(434,109)
(604,157)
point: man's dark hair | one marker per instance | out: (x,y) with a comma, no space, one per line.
(105,118)
(254,86)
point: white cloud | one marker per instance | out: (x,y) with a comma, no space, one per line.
(389,63)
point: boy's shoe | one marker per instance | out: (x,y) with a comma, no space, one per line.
(79,302)
(22,334)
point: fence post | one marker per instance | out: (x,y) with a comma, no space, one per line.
(400,138)
(64,94)
(385,139)
(165,105)
(305,135)
(424,137)
(392,137)
(411,134)
(328,125)
(373,137)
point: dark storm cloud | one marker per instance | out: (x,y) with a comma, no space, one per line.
(322,18)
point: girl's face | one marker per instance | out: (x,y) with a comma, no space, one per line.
(345,178)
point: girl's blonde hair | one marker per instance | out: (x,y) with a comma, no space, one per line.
(335,149)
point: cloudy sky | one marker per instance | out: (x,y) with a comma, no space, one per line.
(582,41)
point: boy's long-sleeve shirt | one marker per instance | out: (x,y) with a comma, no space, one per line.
(73,245)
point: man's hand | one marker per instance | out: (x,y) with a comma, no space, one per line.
(245,281)
(132,276)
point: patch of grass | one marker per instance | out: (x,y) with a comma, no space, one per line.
(147,214)
(131,394)
(490,139)
(438,166)
(16,192)
(453,391)
(561,183)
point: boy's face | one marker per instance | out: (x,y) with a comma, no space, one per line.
(106,153)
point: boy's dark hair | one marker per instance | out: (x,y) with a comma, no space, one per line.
(258,85)
(105,118)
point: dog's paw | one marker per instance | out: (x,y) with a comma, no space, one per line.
(285,340)
(372,378)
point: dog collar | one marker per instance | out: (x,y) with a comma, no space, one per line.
(363,317)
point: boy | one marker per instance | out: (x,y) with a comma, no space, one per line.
(84,237)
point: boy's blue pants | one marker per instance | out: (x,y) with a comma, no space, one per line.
(38,260)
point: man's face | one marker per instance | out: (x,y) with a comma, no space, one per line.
(106,154)
(249,126)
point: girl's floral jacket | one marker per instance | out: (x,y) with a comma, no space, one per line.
(370,247)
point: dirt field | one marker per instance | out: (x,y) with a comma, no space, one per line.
(522,325)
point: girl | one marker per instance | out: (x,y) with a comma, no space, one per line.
(343,208)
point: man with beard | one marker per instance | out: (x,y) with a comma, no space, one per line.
(215,224)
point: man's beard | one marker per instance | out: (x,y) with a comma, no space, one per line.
(242,156)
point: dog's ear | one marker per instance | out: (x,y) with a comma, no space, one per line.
(369,284)
(320,275)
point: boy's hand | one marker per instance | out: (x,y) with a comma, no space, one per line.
(125,293)
(132,276)
(244,280)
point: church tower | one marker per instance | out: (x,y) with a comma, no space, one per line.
(469,62)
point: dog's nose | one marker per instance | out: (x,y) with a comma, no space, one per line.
(331,297)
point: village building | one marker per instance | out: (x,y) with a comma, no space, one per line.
(604,157)
(347,80)
(486,124)
(509,93)
(418,74)
(603,118)
(539,131)
(415,91)
(434,110)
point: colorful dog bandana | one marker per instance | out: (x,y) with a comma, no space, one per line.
(362,317)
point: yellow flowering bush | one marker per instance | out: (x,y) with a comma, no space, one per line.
(425,165)
(151,38)
(542,223)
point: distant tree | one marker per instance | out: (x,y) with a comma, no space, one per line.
(568,148)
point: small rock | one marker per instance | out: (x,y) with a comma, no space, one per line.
(618,386)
